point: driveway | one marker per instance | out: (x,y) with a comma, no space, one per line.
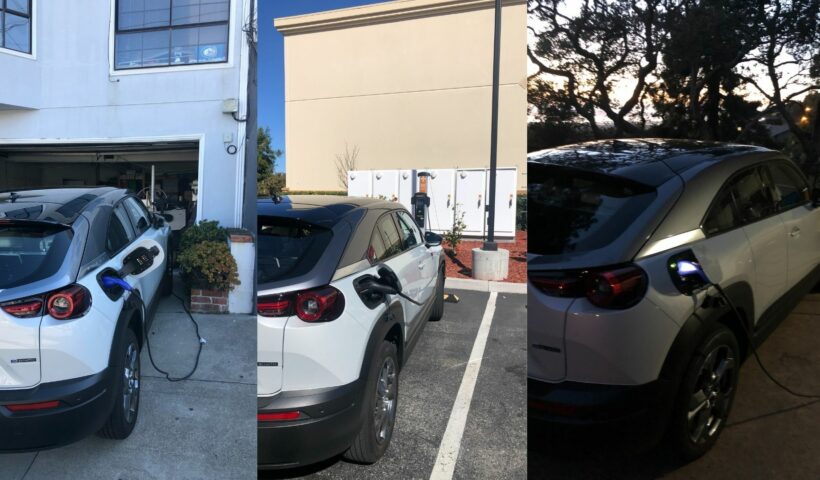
(204,427)
(770,434)
(492,441)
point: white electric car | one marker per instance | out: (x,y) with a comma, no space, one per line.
(69,338)
(620,334)
(346,286)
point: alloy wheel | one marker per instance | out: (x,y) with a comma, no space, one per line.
(384,412)
(712,395)
(131,383)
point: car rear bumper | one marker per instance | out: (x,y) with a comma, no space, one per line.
(330,419)
(85,404)
(639,412)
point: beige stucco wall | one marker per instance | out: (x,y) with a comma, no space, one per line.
(412,90)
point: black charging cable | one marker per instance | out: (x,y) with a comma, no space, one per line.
(754,347)
(147,335)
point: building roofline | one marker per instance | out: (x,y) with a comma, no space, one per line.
(392,11)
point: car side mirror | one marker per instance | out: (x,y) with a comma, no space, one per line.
(432,239)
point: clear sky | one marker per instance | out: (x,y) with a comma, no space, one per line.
(271,61)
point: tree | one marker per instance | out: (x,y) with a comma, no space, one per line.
(345,162)
(786,62)
(268,182)
(585,55)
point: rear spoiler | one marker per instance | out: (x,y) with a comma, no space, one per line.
(5,221)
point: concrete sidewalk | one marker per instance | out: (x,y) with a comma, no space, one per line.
(204,427)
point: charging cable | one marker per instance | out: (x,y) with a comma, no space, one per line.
(111,281)
(693,268)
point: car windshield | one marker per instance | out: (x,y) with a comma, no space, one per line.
(288,248)
(573,211)
(29,253)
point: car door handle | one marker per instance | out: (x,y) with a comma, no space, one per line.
(421,266)
(795,232)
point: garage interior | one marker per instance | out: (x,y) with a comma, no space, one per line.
(173,165)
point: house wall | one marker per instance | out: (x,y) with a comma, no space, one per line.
(407,83)
(68,92)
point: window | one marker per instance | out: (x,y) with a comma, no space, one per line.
(138,215)
(744,199)
(119,231)
(289,248)
(790,188)
(15,25)
(161,33)
(29,253)
(410,235)
(385,241)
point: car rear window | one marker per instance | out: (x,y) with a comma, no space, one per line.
(289,248)
(572,211)
(30,253)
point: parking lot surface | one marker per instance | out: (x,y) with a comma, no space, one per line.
(493,442)
(770,434)
(200,428)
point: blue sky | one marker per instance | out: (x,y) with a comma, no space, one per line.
(271,61)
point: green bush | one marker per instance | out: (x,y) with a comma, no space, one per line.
(204,231)
(453,237)
(521,212)
(210,265)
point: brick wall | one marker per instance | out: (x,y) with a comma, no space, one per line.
(209,301)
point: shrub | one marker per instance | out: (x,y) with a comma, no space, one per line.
(453,237)
(209,264)
(204,231)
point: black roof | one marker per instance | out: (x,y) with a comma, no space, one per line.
(319,209)
(648,160)
(55,205)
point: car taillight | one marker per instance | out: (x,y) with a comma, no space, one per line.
(33,407)
(70,302)
(614,287)
(321,304)
(26,308)
(277,416)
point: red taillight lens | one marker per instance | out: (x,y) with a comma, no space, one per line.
(315,305)
(30,307)
(71,302)
(312,305)
(277,416)
(274,306)
(614,287)
(31,407)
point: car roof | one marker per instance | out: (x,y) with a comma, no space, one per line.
(326,210)
(54,205)
(651,161)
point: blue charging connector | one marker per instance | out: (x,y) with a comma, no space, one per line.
(111,282)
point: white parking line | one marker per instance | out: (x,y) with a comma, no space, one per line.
(451,442)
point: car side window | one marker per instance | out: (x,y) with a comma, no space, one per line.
(385,241)
(722,217)
(410,235)
(119,230)
(790,189)
(138,215)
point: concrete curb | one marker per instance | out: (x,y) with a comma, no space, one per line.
(485,285)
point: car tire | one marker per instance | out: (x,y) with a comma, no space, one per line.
(126,388)
(706,394)
(379,407)
(438,304)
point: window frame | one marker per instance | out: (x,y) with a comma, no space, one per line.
(377,231)
(115,30)
(769,166)
(741,223)
(31,36)
(141,207)
(118,204)
(415,229)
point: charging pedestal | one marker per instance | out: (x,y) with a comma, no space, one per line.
(421,202)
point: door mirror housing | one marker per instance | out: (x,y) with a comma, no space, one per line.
(432,239)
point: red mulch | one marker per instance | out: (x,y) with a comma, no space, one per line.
(461,265)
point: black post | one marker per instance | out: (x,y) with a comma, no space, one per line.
(490,244)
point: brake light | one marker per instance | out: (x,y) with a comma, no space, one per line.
(27,308)
(31,407)
(277,416)
(613,287)
(71,302)
(321,304)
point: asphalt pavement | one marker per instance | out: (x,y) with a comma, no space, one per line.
(769,434)
(493,442)
(204,427)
